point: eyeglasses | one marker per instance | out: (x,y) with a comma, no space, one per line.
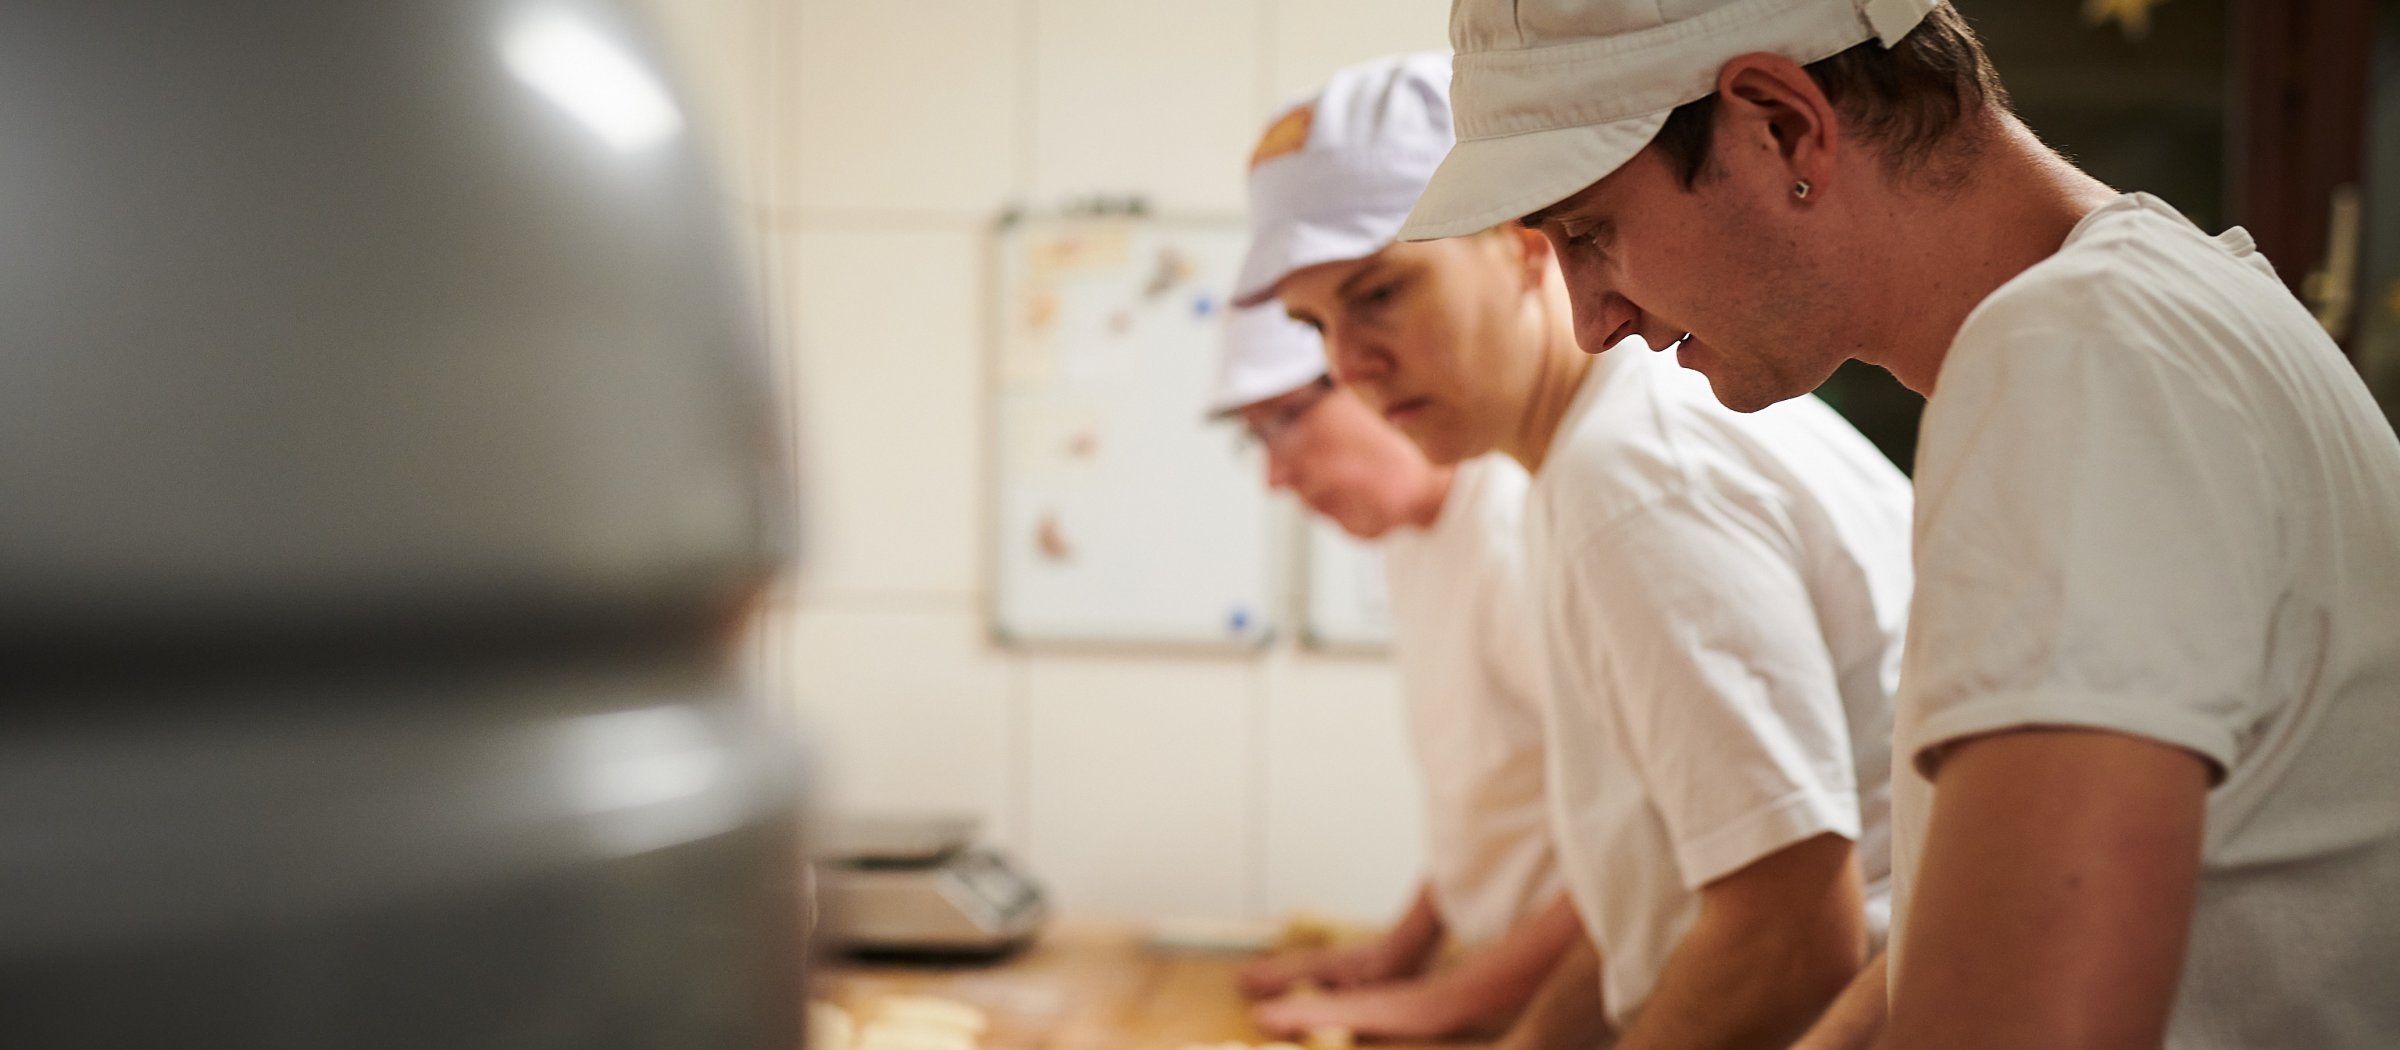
(1275,428)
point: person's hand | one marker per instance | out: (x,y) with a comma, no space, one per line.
(1335,968)
(1390,1011)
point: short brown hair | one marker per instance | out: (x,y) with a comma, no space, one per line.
(1907,99)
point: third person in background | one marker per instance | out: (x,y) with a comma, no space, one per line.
(1454,567)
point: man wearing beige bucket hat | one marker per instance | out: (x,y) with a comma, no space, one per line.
(1718,596)
(2147,718)
(1453,560)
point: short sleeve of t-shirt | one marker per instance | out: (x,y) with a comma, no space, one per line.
(2095,534)
(1722,686)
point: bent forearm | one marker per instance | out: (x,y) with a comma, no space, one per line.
(1774,944)
(1856,1019)
(1568,1013)
(1409,944)
(1504,975)
(1721,992)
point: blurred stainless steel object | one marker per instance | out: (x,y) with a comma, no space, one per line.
(893,839)
(917,886)
(386,463)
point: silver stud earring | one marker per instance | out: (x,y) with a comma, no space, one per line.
(1800,189)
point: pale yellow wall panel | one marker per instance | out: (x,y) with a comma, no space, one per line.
(1138,784)
(1148,97)
(905,106)
(907,712)
(1345,832)
(886,337)
(1312,38)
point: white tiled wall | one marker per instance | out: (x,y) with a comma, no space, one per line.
(869,148)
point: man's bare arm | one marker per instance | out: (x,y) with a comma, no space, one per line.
(1775,942)
(2055,895)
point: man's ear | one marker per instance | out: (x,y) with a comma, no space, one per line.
(1771,112)
(1532,251)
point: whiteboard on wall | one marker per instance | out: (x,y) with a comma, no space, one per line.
(1345,606)
(1121,513)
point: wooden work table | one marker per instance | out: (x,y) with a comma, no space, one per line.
(1084,986)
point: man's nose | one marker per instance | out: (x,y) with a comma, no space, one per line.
(1599,309)
(1601,318)
(1279,470)
(1350,358)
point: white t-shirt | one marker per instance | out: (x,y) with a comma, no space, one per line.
(1470,672)
(1722,599)
(2156,500)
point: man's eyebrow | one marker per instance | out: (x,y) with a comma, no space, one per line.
(1356,279)
(1535,219)
(1580,200)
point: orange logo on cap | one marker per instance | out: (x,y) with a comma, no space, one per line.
(1288,135)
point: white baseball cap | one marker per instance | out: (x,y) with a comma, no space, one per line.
(1265,354)
(1553,95)
(1336,173)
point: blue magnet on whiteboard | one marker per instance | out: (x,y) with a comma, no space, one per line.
(1240,620)
(1203,305)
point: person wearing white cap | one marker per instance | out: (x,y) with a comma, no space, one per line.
(1720,596)
(2151,700)
(1453,567)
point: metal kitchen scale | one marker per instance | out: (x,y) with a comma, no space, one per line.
(918,887)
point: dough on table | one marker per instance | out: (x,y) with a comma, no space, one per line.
(887,1035)
(1243,1046)
(931,1012)
(1304,931)
(897,1022)
(829,1026)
